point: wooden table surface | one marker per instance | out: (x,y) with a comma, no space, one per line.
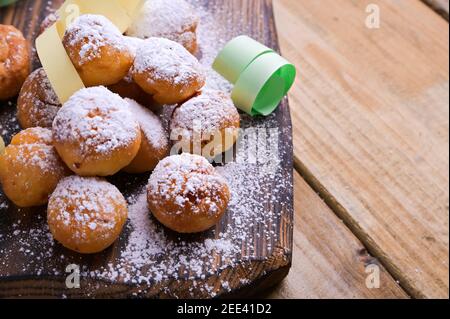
(370,112)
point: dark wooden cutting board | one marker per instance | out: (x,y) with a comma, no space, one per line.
(29,267)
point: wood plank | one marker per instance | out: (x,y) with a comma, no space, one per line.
(328,261)
(371,130)
(220,262)
(440,6)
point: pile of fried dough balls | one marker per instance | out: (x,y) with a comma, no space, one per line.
(67,149)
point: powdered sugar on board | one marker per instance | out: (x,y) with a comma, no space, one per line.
(153,255)
(210,37)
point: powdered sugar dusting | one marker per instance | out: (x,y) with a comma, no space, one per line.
(151,256)
(187,181)
(40,156)
(174,20)
(211,39)
(82,204)
(34,135)
(12,49)
(214,110)
(49,20)
(167,61)
(150,125)
(98,118)
(133,44)
(91,33)
(33,149)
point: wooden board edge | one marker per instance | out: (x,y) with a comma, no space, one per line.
(441,7)
(261,287)
(269,272)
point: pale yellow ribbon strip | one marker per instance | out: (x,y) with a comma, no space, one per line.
(62,74)
(2,146)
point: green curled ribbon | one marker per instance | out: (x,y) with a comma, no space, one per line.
(260,76)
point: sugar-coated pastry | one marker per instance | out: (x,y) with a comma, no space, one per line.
(86,214)
(208,124)
(174,20)
(14,61)
(97,50)
(127,87)
(95,133)
(186,194)
(167,71)
(49,21)
(30,168)
(155,141)
(133,44)
(37,104)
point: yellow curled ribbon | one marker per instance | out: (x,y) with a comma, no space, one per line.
(260,76)
(2,146)
(60,71)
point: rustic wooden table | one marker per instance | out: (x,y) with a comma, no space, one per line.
(371,142)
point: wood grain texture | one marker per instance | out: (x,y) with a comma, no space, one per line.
(440,6)
(328,260)
(371,132)
(263,261)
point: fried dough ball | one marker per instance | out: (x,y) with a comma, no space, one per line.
(14,61)
(127,87)
(95,133)
(37,104)
(174,20)
(186,194)
(97,50)
(155,141)
(86,215)
(208,124)
(30,168)
(167,71)
(133,44)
